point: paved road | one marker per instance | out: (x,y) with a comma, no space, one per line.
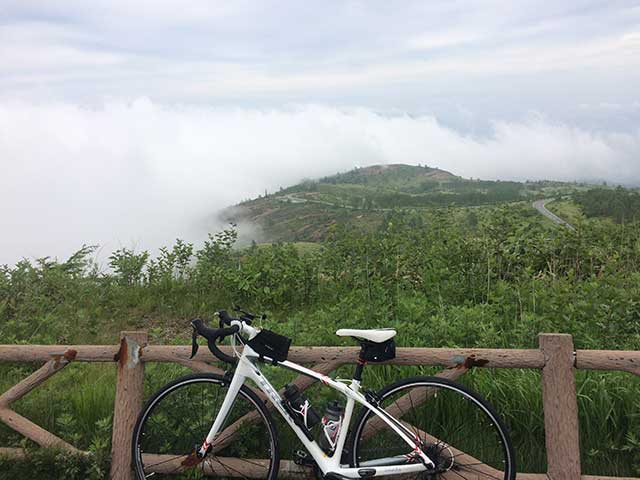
(293,199)
(540,206)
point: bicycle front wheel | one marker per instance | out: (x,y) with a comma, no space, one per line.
(175,421)
(458,430)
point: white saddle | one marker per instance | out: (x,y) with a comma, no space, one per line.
(377,335)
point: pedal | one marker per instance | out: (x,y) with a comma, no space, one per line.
(302,458)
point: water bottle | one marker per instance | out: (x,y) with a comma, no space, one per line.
(330,428)
(303,414)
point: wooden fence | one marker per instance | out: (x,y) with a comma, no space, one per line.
(556,358)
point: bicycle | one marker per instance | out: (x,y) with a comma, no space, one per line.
(419,427)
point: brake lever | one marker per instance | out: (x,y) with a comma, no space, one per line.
(194,342)
(221,322)
(247,316)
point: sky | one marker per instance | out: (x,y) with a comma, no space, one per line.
(131,123)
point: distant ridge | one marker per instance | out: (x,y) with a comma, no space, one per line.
(425,170)
(364,196)
(395,175)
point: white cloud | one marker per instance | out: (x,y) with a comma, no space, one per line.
(443,39)
(274,53)
(52,57)
(145,173)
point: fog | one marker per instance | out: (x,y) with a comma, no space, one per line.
(141,174)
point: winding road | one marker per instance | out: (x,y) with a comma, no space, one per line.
(540,205)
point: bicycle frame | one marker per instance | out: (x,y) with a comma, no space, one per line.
(247,368)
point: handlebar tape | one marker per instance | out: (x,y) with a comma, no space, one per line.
(211,334)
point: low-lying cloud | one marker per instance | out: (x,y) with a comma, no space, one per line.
(142,174)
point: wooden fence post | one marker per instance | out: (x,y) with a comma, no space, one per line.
(129,395)
(560,407)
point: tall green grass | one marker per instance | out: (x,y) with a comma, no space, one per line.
(443,281)
(77,405)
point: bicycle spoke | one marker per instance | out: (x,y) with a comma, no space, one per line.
(179,421)
(228,467)
(457,432)
(164,461)
(457,473)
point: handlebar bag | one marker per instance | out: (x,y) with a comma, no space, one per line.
(269,344)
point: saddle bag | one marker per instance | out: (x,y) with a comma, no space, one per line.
(378,352)
(269,344)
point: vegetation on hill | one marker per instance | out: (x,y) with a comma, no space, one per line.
(620,204)
(402,178)
(492,277)
(307,211)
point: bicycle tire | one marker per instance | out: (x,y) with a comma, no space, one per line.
(449,457)
(214,465)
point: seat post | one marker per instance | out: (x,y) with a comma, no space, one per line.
(360,366)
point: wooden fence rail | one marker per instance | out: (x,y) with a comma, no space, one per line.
(556,359)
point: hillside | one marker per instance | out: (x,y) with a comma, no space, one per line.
(363,197)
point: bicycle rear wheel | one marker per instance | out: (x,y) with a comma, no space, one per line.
(176,420)
(457,428)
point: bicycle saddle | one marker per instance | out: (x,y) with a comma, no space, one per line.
(377,335)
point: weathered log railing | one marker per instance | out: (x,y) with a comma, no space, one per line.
(556,358)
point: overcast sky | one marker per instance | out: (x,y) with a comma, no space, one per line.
(130,123)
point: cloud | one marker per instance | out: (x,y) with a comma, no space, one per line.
(273,53)
(143,173)
(441,40)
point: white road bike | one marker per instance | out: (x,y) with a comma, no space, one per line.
(420,427)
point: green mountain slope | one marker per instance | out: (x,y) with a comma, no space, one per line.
(364,196)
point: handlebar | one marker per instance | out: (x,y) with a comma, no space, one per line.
(225,318)
(212,335)
(240,325)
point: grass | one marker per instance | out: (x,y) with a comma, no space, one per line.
(567,210)
(303,248)
(487,277)
(74,404)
